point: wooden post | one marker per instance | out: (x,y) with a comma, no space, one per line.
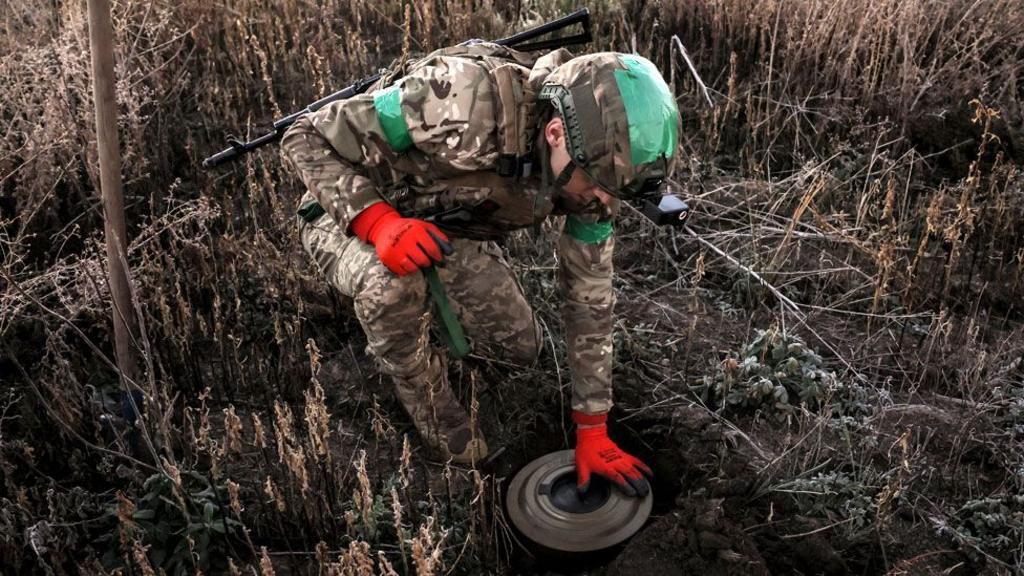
(101,33)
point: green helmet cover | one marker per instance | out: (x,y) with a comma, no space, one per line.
(650,109)
(621,120)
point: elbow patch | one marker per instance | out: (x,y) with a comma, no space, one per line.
(388,103)
(588,232)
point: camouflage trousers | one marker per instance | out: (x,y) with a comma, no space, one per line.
(395,311)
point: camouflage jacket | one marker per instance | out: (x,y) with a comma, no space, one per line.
(429,142)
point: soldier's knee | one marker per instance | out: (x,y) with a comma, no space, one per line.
(392,312)
(386,297)
(527,347)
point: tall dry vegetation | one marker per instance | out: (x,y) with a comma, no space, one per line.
(863,157)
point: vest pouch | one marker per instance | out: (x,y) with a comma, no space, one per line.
(515,117)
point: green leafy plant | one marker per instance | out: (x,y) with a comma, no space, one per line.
(184,525)
(775,370)
(993,525)
(1009,402)
(1011,416)
(780,371)
(836,493)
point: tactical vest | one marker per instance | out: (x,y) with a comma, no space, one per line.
(510,73)
(488,203)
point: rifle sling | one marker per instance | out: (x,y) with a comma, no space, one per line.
(451,328)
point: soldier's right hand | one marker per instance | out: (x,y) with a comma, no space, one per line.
(404,245)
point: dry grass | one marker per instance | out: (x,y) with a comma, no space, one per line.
(863,159)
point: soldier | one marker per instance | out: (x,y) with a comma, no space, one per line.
(481,140)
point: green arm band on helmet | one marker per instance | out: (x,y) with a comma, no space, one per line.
(651,110)
(388,103)
(588,232)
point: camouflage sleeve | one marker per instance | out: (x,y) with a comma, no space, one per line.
(440,115)
(585,284)
(334,179)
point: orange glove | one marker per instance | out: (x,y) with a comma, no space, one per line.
(404,245)
(597,454)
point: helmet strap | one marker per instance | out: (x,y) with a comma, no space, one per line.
(543,151)
(565,175)
(540,199)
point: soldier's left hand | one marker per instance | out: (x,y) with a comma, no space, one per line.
(404,245)
(597,454)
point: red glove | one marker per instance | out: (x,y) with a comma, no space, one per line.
(597,454)
(404,245)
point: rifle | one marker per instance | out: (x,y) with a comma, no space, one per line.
(518,41)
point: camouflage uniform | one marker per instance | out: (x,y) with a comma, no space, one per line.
(428,143)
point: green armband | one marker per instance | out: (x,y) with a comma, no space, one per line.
(388,103)
(310,211)
(588,232)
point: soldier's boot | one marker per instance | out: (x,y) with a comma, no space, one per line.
(441,421)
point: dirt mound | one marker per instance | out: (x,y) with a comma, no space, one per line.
(698,538)
(735,514)
(717,528)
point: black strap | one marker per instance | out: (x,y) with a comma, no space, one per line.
(310,211)
(510,165)
(565,175)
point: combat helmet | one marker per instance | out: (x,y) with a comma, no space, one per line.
(620,118)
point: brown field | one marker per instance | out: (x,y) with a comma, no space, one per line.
(826,371)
